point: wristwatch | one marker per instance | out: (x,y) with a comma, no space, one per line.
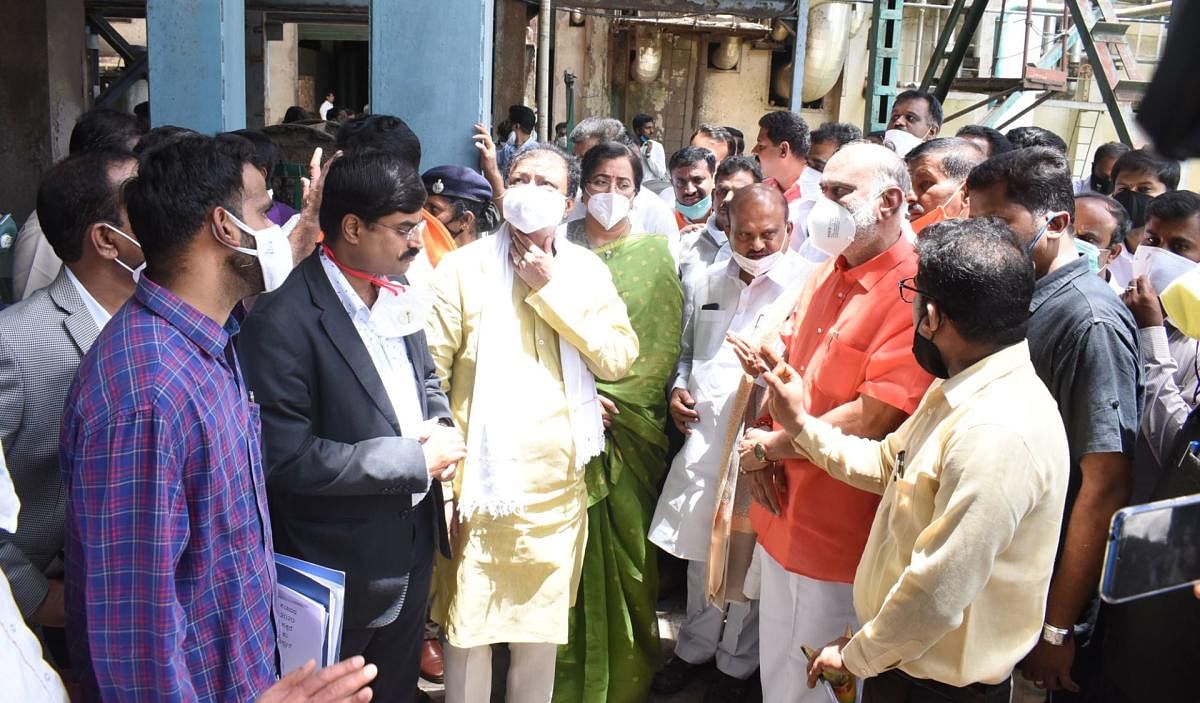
(760,451)
(1055,636)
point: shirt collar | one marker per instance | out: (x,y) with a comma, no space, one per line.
(869,273)
(199,328)
(717,236)
(960,387)
(351,302)
(94,308)
(1047,286)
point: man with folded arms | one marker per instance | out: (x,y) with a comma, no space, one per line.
(952,584)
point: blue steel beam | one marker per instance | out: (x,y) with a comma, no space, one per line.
(800,50)
(197,64)
(431,65)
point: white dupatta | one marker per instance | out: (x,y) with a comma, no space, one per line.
(493,427)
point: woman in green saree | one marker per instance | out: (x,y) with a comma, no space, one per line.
(613,648)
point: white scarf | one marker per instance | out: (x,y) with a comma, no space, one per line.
(493,458)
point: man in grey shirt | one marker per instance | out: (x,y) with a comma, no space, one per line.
(1083,342)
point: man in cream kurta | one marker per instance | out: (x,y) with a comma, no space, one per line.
(513,578)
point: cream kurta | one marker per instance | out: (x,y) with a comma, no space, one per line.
(513,579)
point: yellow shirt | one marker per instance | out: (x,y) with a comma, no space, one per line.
(952,583)
(513,579)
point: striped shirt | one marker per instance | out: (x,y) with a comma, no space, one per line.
(169,568)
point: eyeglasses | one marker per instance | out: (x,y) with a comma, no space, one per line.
(907,289)
(405,231)
(605,184)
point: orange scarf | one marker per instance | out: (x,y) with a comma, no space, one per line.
(438,240)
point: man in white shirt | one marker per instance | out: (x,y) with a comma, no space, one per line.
(700,248)
(782,149)
(42,340)
(355,426)
(327,105)
(730,296)
(1100,179)
(692,169)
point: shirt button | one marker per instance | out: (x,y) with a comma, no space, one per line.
(541,342)
(819,330)
(841,295)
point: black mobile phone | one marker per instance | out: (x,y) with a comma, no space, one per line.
(1152,548)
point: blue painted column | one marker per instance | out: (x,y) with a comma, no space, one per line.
(197,63)
(431,66)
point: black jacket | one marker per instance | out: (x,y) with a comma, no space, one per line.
(340,478)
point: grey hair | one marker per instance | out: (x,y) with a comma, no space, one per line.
(890,172)
(600,129)
(954,156)
(574,175)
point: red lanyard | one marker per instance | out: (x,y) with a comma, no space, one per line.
(377,281)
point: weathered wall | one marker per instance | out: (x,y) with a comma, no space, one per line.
(510,65)
(42,79)
(283,74)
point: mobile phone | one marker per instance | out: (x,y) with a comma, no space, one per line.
(1152,548)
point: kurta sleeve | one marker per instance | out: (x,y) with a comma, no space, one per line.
(582,305)
(1165,409)
(977,510)
(866,464)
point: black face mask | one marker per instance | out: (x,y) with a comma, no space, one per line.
(927,354)
(1102,185)
(1135,204)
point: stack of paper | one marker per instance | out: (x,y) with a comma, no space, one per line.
(309,600)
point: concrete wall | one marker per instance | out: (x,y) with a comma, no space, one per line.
(283,74)
(43,84)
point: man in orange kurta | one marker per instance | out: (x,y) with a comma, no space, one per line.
(850,339)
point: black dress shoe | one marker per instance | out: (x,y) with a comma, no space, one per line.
(676,674)
(724,688)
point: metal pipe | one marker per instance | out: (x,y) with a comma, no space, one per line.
(1025,43)
(543,70)
(800,48)
(920,40)
(1154,9)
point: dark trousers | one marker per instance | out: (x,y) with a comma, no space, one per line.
(396,647)
(895,686)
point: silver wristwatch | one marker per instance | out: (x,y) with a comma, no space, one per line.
(1055,636)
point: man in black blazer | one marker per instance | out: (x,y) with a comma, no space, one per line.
(355,440)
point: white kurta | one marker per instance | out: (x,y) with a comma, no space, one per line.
(709,370)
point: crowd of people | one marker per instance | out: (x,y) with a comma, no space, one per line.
(880,396)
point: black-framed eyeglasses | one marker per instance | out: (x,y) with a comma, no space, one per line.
(405,231)
(908,291)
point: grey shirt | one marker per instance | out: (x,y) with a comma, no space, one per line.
(1084,345)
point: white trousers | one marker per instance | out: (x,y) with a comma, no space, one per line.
(729,635)
(796,610)
(530,673)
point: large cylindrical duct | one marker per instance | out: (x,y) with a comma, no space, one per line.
(648,55)
(727,53)
(826,47)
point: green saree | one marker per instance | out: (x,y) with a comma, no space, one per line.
(613,648)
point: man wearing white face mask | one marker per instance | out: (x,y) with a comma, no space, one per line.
(520,323)
(42,340)
(850,340)
(728,296)
(168,536)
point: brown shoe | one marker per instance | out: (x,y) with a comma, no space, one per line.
(432,668)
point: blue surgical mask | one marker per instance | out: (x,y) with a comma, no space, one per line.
(695,212)
(1090,252)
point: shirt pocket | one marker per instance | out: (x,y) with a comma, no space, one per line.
(839,372)
(711,326)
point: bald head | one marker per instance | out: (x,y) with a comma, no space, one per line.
(758,221)
(871,182)
(759,199)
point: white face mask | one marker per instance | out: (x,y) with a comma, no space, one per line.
(757,267)
(272,249)
(900,141)
(531,208)
(831,226)
(135,272)
(608,209)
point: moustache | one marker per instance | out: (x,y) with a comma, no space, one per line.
(410,255)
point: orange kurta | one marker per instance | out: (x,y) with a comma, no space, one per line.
(855,338)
